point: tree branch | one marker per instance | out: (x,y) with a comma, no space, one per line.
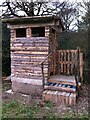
(9,7)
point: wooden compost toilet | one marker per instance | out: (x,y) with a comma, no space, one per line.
(33,39)
(37,66)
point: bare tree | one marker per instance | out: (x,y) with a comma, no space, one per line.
(66,11)
(83,15)
(21,8)
(18,8)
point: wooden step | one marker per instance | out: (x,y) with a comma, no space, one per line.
(63,79)
(60,97)
(60,87)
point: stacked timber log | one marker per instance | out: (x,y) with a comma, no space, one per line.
(26,54)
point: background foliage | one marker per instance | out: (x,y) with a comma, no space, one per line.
(5,50)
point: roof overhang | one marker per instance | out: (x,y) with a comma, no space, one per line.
(50,20)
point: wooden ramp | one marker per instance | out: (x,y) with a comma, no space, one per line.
(61,89)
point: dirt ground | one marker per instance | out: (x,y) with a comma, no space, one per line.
(80,109)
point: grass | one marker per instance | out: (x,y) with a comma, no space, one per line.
(17,110)
(48,104)
(14,109)
(72,115)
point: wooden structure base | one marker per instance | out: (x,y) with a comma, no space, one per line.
(60,97)
(61,89)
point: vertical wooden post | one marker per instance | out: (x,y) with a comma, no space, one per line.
(59,61)
(77,74)
(81,65)
(65,61)
(68,66)
(54,53)
(28,32)
(13,35)
(72,58)
(43,80)
(78,64)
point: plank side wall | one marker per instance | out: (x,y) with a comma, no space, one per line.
(27,52)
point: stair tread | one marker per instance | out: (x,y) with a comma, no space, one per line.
(60,87)
(72,87)
(63,79)
(62,93)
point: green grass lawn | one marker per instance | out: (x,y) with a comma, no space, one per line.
(14,109)
(17,110)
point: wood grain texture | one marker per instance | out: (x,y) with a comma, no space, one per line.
(66,58)
(60,97)
(26,53)
(63,79)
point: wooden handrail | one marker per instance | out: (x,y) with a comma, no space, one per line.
(42,68)
(75,67)
(43,60)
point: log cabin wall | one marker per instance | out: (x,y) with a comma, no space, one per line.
(26,53)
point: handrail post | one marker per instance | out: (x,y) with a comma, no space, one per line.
(81,66)
(42,75)
(75,66)
(77,72)
(42,70)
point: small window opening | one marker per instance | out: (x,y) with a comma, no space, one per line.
(38,32)
(21,32)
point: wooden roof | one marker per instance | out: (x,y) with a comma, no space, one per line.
(52,20)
